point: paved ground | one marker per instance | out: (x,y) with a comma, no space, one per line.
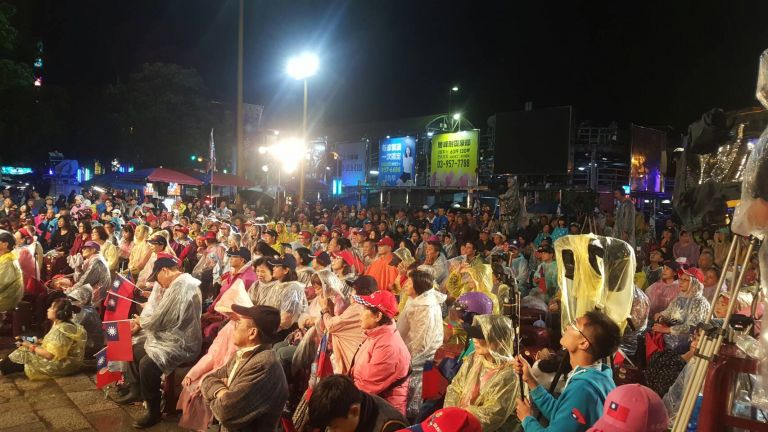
(65,404)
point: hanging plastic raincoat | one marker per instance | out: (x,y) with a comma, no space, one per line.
(172,334)
(95,273)
(421,326)
(595,272)
(66,341)
(749,216)
(488,386)
(11,283)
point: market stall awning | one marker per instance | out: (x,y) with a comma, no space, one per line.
(220,179)
(160,174)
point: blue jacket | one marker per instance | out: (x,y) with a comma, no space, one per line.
(580,405)
(440,223)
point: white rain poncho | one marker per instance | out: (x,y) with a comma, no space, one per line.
(488,387)
(172,334)
(11,284)
(595,272)
(288,297)
(749,217)
(421,326)
(639,316)
(686,311)
(95,272)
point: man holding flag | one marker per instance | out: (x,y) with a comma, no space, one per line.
(162,341)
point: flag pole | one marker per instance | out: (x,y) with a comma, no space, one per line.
(116,321)
(122,297)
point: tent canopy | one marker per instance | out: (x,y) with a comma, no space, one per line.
(220,179)
(160,175)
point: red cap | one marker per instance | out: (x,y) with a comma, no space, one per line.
(384,301)
(632,407)
(306,235)
(346,256)
(183,229)
(386,241)
(694,272)
(210,235)
(449,419)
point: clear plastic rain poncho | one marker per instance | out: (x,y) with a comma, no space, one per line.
(172,334)
(595,272)
(11,284)
(488,387)
(750,215)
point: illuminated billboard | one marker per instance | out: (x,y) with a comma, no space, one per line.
(397,161)
(454,160)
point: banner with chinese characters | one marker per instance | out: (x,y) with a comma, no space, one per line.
(454,160)
(397,158)
(352,163)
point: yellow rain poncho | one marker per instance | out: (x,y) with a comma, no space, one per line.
(406,259)
(66,341)
(476,277)
(11,284)
(487,386)
(595,272)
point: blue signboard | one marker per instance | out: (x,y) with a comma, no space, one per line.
(397,158)
(352,163)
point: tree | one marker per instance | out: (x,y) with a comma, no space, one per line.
(163,114)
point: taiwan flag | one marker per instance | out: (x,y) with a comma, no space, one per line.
(119,346)
(103,375)
(117,307)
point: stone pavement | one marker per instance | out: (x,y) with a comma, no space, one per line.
(65,404)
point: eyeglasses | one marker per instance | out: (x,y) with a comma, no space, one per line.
(574,326)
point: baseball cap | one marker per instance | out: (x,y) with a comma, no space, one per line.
(486,230)
(346,255)
(497,233)
(92,245)
(306,235)
(271,232)
(286,261)
(384,301)
(158,240)
(210,235)
(242,252)
(475,332)
(386,241)
(693,272)
(266,318)
(163,260)
(546,249)
(323,258)
(449,419)
(631,408)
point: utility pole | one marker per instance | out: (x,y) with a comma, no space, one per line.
(240,168)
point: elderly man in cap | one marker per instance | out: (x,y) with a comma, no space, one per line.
(240,269)
(250,391)
(159,244)
(380,269)
(165,339)
(93,271)
(270,237)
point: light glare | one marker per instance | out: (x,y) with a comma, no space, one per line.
(303,66)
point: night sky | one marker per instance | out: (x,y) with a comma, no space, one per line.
(650,62)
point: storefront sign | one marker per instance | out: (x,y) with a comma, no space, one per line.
(454,160)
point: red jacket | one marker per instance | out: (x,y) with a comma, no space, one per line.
(381,360)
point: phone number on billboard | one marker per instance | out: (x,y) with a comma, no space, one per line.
(453,163)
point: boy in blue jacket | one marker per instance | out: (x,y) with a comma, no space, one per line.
(588,339)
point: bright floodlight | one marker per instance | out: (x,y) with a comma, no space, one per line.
(262,149)
(456,116)
(265,168)
(303,66)
(455,88)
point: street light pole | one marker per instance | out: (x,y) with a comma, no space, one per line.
(300,199)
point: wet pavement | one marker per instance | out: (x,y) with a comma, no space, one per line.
(71,403)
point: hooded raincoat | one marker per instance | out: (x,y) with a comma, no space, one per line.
(477,277)
(421,326)
(487,386)
(11,285)
(172,334)
(66,341)
(687,311)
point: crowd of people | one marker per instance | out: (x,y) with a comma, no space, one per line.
(355,319)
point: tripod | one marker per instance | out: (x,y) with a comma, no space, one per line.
(711,338)
(589,225)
